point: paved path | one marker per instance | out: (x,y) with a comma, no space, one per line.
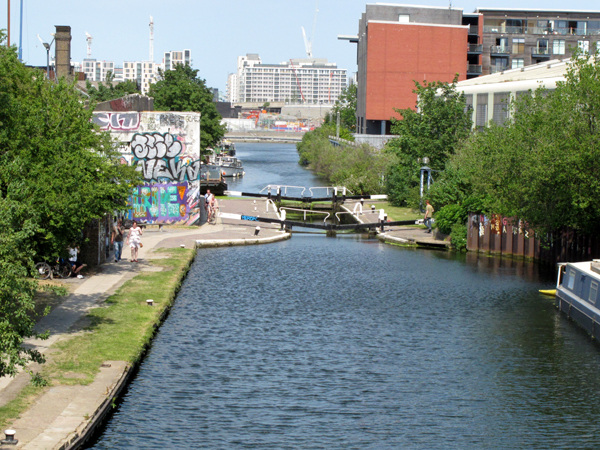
(65,413)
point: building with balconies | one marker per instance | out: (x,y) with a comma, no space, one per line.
(401,44)
(515,38)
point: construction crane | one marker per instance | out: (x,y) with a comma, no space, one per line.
(308,42)
(151,39)
(297,81)
(88,39)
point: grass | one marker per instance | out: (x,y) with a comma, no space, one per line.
(119,330)
(398,213)
(124,326)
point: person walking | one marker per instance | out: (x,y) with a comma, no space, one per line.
(116,239)
(428,216)
(134,239)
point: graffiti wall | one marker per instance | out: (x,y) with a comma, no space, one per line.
(165,148)
(160,203)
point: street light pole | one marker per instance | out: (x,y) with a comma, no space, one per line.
(47,47)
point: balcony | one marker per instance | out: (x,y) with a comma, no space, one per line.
(473,69)
(475,49)
(537,52)
(499,50)
(474,30)
(583,31)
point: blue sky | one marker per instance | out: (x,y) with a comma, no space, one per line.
(217,31)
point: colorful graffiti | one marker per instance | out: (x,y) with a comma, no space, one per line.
(160,203)
(158,156)
(120,121)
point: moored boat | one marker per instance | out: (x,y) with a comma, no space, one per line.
(577,294)
(230,166)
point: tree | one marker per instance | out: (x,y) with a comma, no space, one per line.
(110,91)
(544,166)
(441,121)
(360,168)
(181,90)
(57,172)
(345,106)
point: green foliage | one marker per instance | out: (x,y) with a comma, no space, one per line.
(544,165)
(359,168)
(458,237)
(345,105)
(56,174)
(38,380)
(449,215)
(109,91)
(182,90)
(441,121)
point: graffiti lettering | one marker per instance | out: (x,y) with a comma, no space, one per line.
(252,218)
(123,121)
(159,203)
(172,120)
(158,156)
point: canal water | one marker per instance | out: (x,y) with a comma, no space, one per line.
(345,342)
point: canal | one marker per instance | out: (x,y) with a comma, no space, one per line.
(345,342)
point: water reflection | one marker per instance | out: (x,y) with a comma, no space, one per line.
(349,343)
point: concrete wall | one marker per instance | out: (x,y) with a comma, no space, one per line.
(165,147)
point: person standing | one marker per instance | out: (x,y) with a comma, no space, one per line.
(117,239)
(428,215)
(134,239)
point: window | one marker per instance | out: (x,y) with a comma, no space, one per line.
(501,100)
(518,45)
(481,114)
(517,63)
(593,292)
(584,46)
(542,47)
(558,47)
(571,282)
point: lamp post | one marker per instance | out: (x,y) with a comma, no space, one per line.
(47,47)
(425,175)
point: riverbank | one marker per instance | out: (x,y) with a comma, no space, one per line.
(65,414)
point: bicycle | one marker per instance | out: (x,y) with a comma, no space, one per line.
(213,213)
(60,269)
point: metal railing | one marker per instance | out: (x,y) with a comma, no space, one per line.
(583,31)
(540,51)
(500,49)
(475,48)
(474,68)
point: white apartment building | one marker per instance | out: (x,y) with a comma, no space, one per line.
(307,81)
(171,59)
(144,73)
(96,70)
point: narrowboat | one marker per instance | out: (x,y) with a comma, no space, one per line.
(577,294)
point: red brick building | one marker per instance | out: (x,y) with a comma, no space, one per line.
(398,45)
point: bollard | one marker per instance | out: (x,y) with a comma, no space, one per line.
(10,438)
(256,231)
(150,302)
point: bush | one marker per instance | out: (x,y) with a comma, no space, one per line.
(458,236)
(448,216)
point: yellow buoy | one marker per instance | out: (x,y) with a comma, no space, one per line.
(548,291)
